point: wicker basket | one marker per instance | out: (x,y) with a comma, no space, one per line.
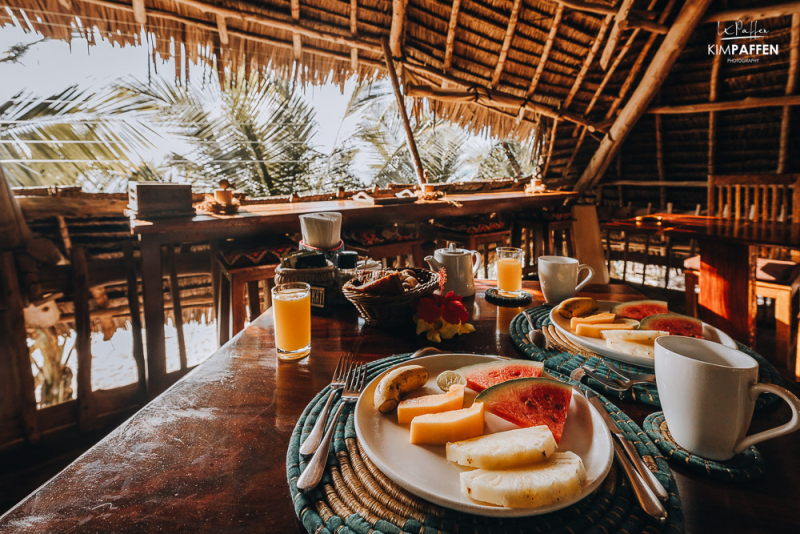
(389,311)
(319,276)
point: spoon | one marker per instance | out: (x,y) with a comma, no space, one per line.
(535,335)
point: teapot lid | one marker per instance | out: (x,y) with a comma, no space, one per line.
(452,250)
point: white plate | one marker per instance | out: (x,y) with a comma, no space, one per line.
(599,345)
(423,469)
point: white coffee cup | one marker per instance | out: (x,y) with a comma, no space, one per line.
(558,276)
(708,393)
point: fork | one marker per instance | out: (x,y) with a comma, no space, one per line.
(311,443)
(616,384)
(354,384)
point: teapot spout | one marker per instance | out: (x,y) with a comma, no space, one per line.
(435,265)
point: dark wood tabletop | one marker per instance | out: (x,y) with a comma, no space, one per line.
(208,455)
(761,233)
(257,218)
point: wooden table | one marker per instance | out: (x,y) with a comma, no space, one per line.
(274,219)
(728,251)
(208,455)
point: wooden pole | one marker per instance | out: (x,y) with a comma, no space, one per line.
(791,85)
(451,35)
(653,78)
(498,99)
(713,94)
(548,45)
(14,231)
(87,406)
(613,37)
(401,107)
(747,103)
(177,310)
(501,60)
(297,45)
(397,29)
(136,319)
(588,61)
(354,32)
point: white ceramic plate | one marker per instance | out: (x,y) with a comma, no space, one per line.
(599,345)
(423,469)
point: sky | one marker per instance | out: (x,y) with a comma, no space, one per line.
(51,66)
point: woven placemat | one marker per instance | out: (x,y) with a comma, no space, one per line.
(565,363)
(747,465)
(355,497)
(494,296)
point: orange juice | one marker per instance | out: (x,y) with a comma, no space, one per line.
(292,311)
(509,274)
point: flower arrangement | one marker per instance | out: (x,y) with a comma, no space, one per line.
(442,316)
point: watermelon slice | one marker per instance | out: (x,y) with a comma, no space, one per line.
(639,309)
(530,402)
(674,323)
(485,375)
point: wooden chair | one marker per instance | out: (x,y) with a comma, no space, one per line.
(540,237)
(401,253)
(758,198)
(231,304)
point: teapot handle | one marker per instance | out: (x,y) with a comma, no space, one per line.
(476,264)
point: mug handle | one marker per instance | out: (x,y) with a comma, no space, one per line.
(476,265)
(586,280)
(791,426)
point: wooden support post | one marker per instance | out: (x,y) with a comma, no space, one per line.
(397,30)
(222,28)
(550,147)
(451,35)
(139,12)
(412,145)
(512,25)
(215,274)
(587,62)
(14,231)
(136,318)
(14,350)
(660,162)
(654,77)
(87,405)
(747,103)
(177,311)
(152,292)
(713,94)
(791,85)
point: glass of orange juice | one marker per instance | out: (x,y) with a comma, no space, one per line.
(509,271)
(292,311)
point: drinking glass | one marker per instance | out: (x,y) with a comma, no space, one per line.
(292,311)
(509,271)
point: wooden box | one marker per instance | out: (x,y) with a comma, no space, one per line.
(159,199)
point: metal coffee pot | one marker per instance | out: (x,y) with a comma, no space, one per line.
(460,266)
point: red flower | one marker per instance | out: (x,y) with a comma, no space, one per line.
(450,308)
(428,309)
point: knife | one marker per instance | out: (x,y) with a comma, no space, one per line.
(647,475)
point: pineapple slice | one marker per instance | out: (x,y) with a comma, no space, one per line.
(559,478)
(513,448)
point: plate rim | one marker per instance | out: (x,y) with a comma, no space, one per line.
(621,356)
(475,508)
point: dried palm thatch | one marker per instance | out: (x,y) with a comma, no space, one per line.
(563,70)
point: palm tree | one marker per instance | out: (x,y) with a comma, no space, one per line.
(255,131)
(75,136)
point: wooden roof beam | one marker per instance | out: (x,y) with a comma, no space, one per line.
(451,35)
(687,20)
(354,31)
(588,61)
(548,45)
(754,12)
(747,103)
(397,31)
(222,28)
(646,25)
(613,38)
(497,99)
(512,25)
(600,9)
(139,12)
(297,45)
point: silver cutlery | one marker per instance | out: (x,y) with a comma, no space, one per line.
(354,385)
(648,499)
(634,457)
(535,336)
(623,384)
(311,443)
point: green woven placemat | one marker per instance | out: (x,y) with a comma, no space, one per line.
(493,296)
(565,363)
(355,497)
(747,465)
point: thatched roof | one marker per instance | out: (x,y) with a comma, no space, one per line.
(574,60)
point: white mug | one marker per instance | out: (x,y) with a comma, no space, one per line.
(558,276)
(708,393)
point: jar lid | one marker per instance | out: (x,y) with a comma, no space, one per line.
(347,259)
